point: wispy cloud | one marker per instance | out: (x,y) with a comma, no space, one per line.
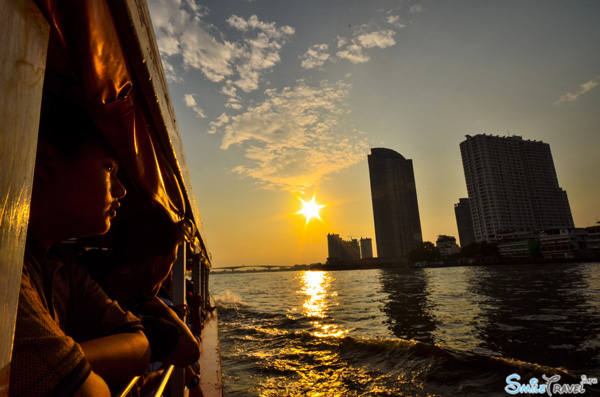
(353,53)
(259,50)
(354,48)
(213,57)
(295,137)
(315,56)
(363,39)
(380,39)
(170,73)
(190,102)
(184,37)
(583,89)
(216,125)
(395,21)
(416,8)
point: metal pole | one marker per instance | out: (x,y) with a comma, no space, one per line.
(202,282)
(206,294)
(178,377)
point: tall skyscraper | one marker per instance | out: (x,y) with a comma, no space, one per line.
(512,186)
(464,222)
(395,207)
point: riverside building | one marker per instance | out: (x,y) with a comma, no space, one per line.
(342,250)
(464,222)
(395,207)
(447,245)
(366,248)
(512,186)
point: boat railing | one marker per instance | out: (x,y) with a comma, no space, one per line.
(129,387)
(164,380)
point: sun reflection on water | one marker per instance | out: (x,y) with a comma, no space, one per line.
(314,286)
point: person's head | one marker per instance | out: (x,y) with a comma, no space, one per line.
(76,190)
(145,247)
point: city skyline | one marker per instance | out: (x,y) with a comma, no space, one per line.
(277,101)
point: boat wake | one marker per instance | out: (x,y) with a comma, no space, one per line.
(270,354)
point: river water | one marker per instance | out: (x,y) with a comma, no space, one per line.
(408,332)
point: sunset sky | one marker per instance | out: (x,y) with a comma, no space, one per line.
(282,100)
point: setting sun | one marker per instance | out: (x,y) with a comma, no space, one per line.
(310,209)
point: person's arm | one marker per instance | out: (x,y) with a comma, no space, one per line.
(118,358)
(187,350)
(93,386)
(111,339)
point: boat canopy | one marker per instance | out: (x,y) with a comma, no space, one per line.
(95,61)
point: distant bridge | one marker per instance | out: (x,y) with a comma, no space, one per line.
(232,268)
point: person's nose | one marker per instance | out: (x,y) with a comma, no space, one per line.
(118,190)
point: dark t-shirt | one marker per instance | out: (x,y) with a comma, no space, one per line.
(60,306)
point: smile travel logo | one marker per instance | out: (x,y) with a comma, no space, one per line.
(550,387)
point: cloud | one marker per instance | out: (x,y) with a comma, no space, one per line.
(583,88)
(253,23)
(416,8)
(170,73)
(190,102)
(381,39)
(354,54)
(229,90)
(315,56)
(257,53)
(222,120)
(364,38)
(295,137)
(395,21)
(168,45)
(183,37)
(234,103)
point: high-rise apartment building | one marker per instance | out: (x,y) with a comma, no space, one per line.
(395,207)
(464,222)
(512,186)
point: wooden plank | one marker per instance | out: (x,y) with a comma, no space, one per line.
(24,33)
(210,357)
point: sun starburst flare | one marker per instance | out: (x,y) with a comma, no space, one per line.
(310,209)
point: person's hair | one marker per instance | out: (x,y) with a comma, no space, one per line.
(66,126)
(145,235)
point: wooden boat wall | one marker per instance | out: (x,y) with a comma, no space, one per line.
(104,55)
